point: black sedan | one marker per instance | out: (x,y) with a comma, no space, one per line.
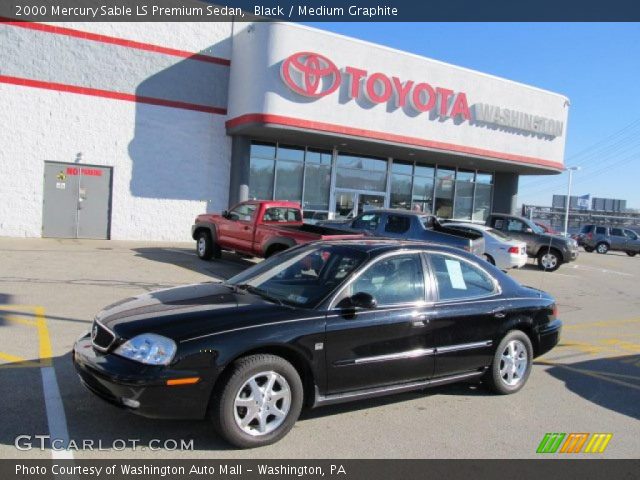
(314,325)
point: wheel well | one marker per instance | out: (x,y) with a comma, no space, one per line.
(527,329)
(294,358)
(275,248)
(490,259)
(199,230)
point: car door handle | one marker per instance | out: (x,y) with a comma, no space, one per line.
(499,313)
(419,319)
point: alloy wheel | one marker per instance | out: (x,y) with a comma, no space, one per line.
(513,363)
(549,261)
(202,246)
(262,403)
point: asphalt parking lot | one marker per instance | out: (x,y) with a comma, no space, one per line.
(51,289)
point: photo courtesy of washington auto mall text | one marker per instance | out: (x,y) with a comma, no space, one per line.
(281,239)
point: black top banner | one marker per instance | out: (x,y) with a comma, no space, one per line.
(321,10)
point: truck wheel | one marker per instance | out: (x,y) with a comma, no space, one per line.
(206,248)
(549,259)
(602,248)
(588,249)
(632,254)
(274,249)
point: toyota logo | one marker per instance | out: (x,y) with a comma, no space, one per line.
(310,74)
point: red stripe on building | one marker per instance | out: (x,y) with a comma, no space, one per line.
(95,37)
(95,92)
(388,137)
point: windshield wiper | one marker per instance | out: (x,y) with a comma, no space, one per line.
(261,293)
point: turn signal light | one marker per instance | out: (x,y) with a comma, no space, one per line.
(182,381)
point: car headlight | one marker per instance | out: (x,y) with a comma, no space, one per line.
(148,348)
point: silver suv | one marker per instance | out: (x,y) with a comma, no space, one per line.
(602,239)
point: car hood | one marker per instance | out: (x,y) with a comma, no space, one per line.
(183,312)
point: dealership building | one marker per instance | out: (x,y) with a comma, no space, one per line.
(129,130)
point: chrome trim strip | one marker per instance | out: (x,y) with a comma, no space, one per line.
(380,391)
(416,353)
(464,346)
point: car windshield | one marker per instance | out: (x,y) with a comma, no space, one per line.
(301,276)
(536,228)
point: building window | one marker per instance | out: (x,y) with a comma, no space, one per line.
(401,179)
(482,196)
(422,194)
(361,173)
(445,183)
(463,202)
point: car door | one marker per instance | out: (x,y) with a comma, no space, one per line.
(633,241)
(519,230)
(618,239)
(237,228)
(466,316)
(386,345)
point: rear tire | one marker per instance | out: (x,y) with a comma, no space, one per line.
(632,254)
(511,364)
(273,250)
(272,391)
(549,259)
(602,248)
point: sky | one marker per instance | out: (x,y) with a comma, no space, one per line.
(596,65)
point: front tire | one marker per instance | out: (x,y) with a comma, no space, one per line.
(511,364)
(632,254)
(259,402)
(602,248)
(206,248)
(549,260)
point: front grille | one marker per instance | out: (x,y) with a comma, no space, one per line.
(101,337)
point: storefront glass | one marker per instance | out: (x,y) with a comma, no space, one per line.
(445,178)
(361,173)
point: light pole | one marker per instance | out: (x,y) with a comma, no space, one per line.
(568,200)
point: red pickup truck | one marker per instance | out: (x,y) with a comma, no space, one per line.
(258,228)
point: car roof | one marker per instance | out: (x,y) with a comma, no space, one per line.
(382,245)
(470,225)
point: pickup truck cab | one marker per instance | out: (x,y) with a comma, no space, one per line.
(408,225)
(551,251)
(257,228)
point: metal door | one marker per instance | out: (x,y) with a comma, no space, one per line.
(77,200)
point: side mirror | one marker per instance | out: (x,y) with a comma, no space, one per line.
(225,213)
(363,300)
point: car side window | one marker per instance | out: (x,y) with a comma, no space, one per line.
(242,212)
(397,224)
(366,221)
(394,280)
(281,214)
(515,226)
(631,234)
(458,279)
(601,231)
(498,223)
(617,232)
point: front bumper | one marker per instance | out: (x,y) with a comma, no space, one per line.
(140,388)
(548,336)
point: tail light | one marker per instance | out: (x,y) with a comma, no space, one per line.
(590,235)
(514,250)
(554,310)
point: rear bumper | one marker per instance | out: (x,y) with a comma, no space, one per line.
(549,336)
(139,388)
(518,261)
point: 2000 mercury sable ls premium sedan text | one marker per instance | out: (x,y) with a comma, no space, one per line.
(317,324)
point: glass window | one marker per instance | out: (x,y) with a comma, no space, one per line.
(366,221)
(242,212)
(282,214)
(400,191)
(361,173)
(463,202)
(515,225)
(444,193)
(317,180)
(286,152)
(424,171)
(362,163)
(465,176)
(265,150)
(402,167)
(631,234)
(617,232)
(423,193)
(301,276)
(457,278)
(261,179)
(601,230)
(288,181)
(397,224)
(484,178)
(482,201)
(395,280)
(318,156)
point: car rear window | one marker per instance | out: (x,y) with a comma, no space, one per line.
(397,224)
(586,228)
(281,214)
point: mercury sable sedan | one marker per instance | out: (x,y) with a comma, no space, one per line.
(317,324)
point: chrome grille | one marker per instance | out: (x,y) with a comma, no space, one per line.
(101,337)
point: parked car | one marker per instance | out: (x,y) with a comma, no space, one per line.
(602,239)
(547,228)
(258,228)
(408,225)
(499,249)
(317,324)
(551,251)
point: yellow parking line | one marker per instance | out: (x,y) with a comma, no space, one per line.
(10,358)
(43,337)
